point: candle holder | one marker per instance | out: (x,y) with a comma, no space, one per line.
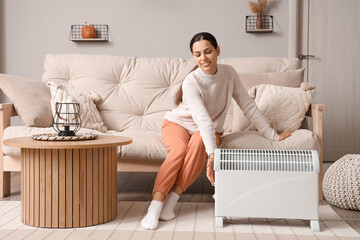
(67,119)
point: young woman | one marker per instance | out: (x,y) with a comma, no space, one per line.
(192,131)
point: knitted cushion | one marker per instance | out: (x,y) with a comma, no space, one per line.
(89,114)
(283,107)
(341,184)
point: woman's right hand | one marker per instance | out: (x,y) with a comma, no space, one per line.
(210,173)
(285,135)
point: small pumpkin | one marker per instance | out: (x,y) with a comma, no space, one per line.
(88,31)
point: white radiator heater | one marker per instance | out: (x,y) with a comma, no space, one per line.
(267,184)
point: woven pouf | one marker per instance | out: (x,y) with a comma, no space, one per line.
(341,183)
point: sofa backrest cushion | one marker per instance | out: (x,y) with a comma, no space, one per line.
(262,64)
(256,71)
(135,92)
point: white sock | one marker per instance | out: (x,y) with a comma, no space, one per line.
(168,213)
(151,219)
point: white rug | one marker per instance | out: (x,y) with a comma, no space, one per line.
(194,221)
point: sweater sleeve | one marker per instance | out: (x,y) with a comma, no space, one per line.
(200,115)
(251,111)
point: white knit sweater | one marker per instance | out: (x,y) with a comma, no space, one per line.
(205,101)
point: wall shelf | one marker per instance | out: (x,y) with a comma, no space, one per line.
(259,30)
(102,33)
(89,40)
(267,24)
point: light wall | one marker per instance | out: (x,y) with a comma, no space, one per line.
(140,28)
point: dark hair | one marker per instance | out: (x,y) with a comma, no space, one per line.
(203,36)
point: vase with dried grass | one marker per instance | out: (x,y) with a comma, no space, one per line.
(258,8)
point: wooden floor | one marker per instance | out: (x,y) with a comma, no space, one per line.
(138,187)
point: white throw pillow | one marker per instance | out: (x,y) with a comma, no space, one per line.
(89,114)
(283,107)
(289,78)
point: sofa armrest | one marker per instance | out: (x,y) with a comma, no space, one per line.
(315,112)
(7,110)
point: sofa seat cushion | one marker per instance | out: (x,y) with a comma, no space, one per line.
(23,131)
(148,145)
(145,146)
(301,139)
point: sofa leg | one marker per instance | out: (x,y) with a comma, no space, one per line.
(4,184)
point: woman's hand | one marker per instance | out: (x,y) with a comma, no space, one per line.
(285,135)
(210,173)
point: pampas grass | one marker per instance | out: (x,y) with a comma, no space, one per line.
(258,7)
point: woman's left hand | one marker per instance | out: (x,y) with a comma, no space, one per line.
(285,135)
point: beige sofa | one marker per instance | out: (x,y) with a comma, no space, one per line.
(136,93)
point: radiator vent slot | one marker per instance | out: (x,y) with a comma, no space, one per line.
(266,160)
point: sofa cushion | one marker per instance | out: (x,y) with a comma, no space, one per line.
(31,99)
(301,139)
(148,145)
(145,146)
(262,64)
(260,70)
(283,107)
(89,115)
(290,78)
(24,131)
(135,92)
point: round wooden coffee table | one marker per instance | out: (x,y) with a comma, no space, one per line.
(68,184)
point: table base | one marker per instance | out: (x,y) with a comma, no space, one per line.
(65,188)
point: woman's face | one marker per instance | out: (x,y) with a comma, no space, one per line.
(205,56)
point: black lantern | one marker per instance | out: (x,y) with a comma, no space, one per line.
(67,119)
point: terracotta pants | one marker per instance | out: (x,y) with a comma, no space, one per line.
(185,158)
